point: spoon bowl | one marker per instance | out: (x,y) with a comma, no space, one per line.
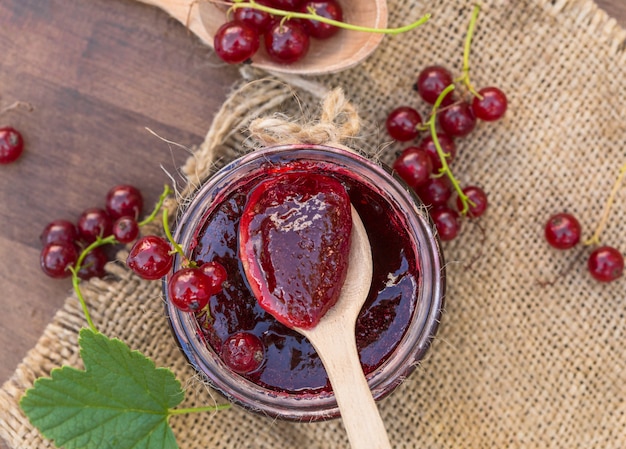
(344,50)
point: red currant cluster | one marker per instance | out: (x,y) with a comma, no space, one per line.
(605,263)
(189,288)
(79,248)
(285,41)
(425,166)
(63,241)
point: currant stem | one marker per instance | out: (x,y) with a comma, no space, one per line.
(168,234)
(445,168)
(314,16)
(595,238)
(465,78)
(76,280)
(177,248)
(166,192)
(81,299)
(209,408)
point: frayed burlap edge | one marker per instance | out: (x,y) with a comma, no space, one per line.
(589,16)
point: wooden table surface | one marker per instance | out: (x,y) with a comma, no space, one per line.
(97,73)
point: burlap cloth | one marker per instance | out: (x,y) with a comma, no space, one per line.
(517,363)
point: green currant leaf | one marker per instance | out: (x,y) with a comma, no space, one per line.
(121,400)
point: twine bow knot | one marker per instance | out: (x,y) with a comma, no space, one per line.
(338,122)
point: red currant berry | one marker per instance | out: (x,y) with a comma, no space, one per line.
(562,231)
(125,229)
(329,9)
(11,145)
(431,82)
(414,167)
(492,106)
(447,146)
(436,192)
(243,352)
(124,201)
(286,42)
(55,258)
(287,5)
(447,222)
(606,264)
(190,289)
(59,231)
(477,201)
(457,120)
(236,42)
(257,19)
(402,123)
(94,223)
(216,272)
(150,257)
(93,264)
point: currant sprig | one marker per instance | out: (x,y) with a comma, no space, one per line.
(110,239)
(443,157)
(102,241)
(562,231)
(312,15)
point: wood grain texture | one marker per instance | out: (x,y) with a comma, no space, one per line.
(98,73)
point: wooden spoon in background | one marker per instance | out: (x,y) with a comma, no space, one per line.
(344,50)
(334,340)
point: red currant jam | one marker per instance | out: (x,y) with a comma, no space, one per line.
(291,365)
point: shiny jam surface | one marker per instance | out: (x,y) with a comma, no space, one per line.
(291,364)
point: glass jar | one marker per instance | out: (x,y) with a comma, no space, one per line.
(396,325)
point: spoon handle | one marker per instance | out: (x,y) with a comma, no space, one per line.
(186,12)
(359,412)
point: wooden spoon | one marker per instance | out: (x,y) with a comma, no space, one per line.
(344,50)
(334,340)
